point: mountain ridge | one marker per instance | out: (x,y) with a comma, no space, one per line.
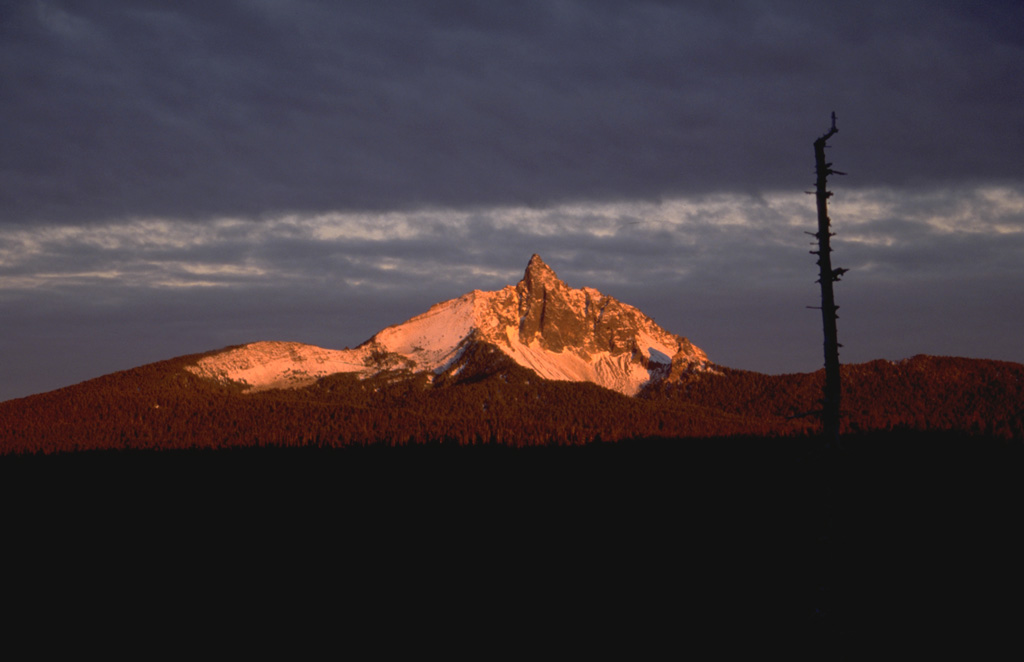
(558,332)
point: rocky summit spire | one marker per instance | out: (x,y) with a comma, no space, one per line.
(539,276)
(537,301)
(556,318)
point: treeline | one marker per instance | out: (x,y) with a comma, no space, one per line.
(164,406)
(924,393)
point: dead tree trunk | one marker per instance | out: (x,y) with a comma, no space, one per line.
(827,276)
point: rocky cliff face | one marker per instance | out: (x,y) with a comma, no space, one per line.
(541,323)
(560,318)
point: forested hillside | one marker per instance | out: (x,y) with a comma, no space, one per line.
(924,393)
(164,406)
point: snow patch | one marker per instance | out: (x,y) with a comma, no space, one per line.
(658,357)
(432,340)
(266,365)
(613,371)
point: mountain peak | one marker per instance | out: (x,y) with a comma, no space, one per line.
(540,323)
(539,276)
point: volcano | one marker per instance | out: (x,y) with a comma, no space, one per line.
(541,323)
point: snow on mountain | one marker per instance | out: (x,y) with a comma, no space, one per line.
(267,365)
(556,331)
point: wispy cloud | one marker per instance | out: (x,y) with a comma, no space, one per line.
(684,236)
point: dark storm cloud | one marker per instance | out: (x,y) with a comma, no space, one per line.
(196,110)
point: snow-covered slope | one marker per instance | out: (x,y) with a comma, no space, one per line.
(541,323)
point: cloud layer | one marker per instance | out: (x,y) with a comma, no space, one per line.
(201,110)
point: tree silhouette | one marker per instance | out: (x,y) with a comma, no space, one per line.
(832,392)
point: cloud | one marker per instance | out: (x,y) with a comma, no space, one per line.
(209,110)
(623,240)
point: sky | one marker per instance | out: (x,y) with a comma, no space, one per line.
(180,177)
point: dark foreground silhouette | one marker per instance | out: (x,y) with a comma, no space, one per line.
(890,525)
